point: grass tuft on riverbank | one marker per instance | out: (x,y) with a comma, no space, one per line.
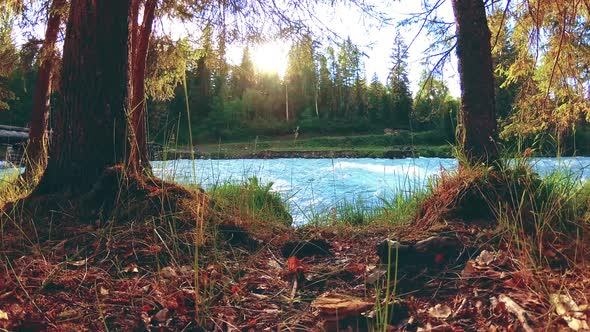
(251,200)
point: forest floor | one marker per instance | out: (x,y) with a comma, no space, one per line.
(238,274)
(328,278)
(333,280)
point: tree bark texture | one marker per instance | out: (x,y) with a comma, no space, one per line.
(89,131)
(138,156)
(478,111)
(36,151)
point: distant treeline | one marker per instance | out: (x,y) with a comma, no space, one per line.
(324,91)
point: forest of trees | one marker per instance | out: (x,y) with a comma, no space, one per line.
(326,88)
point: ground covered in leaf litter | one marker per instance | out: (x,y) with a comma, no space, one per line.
(133,276)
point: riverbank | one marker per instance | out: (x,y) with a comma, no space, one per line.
(399,144)
(402,144)
(448,264)
(242,151)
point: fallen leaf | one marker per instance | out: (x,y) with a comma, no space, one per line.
(375,275)
(78,263)
(272,263)
(67,314)
(162,315)
(355,268)
(485,258)
(294,265)
(339,307)
(440,311)
(517,310)
(168,273)
(131,269)
(103,291)
(3,315)
(570,312)
(468,270)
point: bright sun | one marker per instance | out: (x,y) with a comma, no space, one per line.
(271,57)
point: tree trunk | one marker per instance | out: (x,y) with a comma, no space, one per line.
(286,100)
(89,131)
(478,110)
(36,152)
(139,159)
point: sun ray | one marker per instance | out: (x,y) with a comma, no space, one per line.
(271,57)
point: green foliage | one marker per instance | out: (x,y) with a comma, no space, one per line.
(541,208)
(8,61)
(251,200)
(166,66)
(356,212)
(301,78)
(399,86)
(12,186)
(547,64)
(243,75)
(434,107)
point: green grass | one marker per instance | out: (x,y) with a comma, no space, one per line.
(12,186)
(542,210)
(402,208)
(425,144)
(252,201)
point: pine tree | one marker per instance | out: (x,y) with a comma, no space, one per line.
(399,86)
(243,75)
(326,88)
(376,99)
(302,77)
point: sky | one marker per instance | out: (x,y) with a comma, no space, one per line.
(376,42)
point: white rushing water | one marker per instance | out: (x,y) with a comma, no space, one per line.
(313,186)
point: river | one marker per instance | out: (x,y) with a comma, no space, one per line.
(313,186)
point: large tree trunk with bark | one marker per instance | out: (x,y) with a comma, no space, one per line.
(138,159)
(478,111)
(89,131)
(36,152)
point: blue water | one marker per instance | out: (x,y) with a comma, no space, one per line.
(313,186)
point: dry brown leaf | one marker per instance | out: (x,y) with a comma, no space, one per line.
(3,315)
(294,265)
(161,315)
(168,273)
(341,306)
(571,313)
(469,270)
(517,310)
(131,269)
(440,311)
(103,291)
(485,258)
(78,263)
